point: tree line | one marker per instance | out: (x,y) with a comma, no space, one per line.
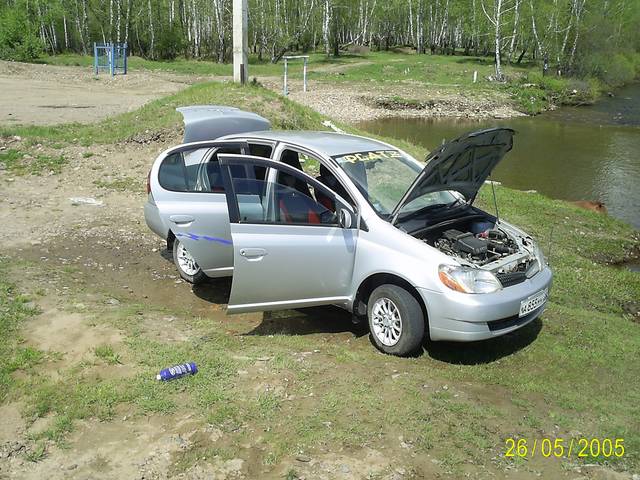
(582,37)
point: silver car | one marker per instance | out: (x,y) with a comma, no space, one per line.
(316,218)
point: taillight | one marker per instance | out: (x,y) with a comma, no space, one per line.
(149,182)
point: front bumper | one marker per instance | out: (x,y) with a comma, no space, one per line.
(462,317)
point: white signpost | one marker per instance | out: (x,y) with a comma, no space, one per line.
(240,42)
(285,89)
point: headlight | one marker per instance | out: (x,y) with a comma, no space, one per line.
(468,280)
(539,263)
(537,251)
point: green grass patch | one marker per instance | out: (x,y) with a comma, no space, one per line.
(37,453)
(22,163)
(257,68)
(160,114)
(107,354)
(410,68)
(15,308)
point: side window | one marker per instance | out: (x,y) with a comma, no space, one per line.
(259,150)
(194,171)
(288,199)
(312,167)
(179,171)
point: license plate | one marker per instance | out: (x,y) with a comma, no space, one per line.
(532,303)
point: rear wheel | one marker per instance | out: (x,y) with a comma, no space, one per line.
(396,320)
(188,269)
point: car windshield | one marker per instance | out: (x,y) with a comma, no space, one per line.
(383,177)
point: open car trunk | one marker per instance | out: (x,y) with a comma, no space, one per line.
(208,122)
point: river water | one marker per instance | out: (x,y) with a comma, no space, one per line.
(573,153)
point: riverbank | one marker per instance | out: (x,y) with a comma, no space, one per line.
(355,103)
(594,146)
(92,308)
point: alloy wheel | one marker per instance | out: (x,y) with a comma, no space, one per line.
(386,321)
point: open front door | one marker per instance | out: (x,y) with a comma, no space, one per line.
(294,240)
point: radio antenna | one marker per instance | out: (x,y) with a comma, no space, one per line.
(495,202)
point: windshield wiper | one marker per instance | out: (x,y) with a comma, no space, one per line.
(455,202)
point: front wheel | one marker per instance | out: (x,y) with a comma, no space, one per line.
(396,320)
(188,269)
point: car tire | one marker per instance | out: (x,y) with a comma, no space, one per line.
(396,320)
(187,267)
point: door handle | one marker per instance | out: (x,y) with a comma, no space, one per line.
(253,252)
(180,219)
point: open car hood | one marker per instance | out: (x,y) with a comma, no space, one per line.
(461,165)
(208,122)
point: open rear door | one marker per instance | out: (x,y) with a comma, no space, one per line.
(192,205)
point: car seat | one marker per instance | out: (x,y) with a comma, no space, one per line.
(295,202)
(330,181)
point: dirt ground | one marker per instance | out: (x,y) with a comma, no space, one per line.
(84,263)
(90,257)
(49,95)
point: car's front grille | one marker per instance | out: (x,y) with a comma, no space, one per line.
(511,321)
(511,278)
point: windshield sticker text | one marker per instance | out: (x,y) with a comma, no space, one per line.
(367,156)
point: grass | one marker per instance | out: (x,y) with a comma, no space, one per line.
(160,114)
(107,354)
(434,70)
(184,66)
(535,93)
(37,453)
(576,368)
(15,308)
(22,163)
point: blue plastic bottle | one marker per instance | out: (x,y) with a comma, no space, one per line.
(177,371)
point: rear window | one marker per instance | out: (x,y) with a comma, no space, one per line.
(199,171)
(179,172)
(192,171)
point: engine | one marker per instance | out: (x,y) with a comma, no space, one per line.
(481,248)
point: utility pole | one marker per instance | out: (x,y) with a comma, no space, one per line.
(240,42)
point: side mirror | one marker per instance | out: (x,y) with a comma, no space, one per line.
(344,218)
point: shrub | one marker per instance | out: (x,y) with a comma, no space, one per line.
(535,92)
(18,38)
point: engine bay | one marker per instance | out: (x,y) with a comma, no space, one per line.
(484,242)
(480,249)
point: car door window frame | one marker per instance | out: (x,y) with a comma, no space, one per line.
(329,164)
(262,142)
(274,167)
(211,147)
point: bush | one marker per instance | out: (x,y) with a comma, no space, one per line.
(535,92)
(170,43)
(617,70)
(612,66)
(18,38)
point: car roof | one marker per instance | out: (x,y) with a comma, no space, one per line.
(329,143)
